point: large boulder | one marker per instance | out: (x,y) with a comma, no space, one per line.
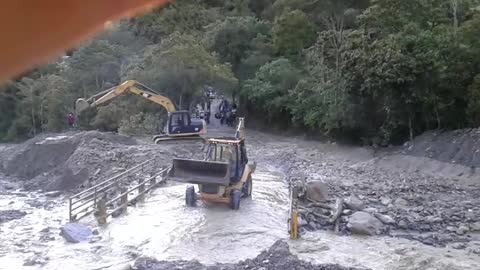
(75,233)
(364,224)
(317,191)
(354,203)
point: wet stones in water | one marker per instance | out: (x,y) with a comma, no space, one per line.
(75,233)
(364,224)
(35,260)
(9,215)
(53,194)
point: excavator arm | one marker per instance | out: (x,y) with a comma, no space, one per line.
(129,86)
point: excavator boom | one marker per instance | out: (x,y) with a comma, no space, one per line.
(179,124)
(129,86)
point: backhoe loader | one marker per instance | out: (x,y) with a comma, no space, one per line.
(223,176)
(179,124)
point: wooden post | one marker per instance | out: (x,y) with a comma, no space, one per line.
(141,189)
(70,217)
(153,180)
(101,213)
(124,199)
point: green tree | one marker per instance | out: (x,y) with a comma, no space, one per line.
(292,32)
(94,66)
(180,67)
(188,17)
(270,88)
(237,38)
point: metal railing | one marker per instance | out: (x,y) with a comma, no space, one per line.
(95,199)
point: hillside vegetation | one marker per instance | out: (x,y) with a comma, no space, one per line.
(379,71)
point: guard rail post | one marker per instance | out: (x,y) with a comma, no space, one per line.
(101,213)
(152,180)
(124,200)
(141,189)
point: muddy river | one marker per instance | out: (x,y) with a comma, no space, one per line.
(161,227)
(164,228)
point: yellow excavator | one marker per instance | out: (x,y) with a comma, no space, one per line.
(180,125)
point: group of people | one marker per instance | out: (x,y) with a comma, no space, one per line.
(226,113)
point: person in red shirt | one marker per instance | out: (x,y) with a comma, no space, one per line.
(71,120)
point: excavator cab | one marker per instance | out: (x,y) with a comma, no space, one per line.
(180,122)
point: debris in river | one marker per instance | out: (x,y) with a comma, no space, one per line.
(9,215)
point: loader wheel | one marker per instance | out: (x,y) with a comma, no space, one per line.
(235,200)
(190,196)
(247,187)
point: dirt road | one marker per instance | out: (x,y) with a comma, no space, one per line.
(164,229)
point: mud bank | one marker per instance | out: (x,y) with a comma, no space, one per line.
(75,160)
(278,257)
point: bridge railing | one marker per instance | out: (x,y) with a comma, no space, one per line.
(96,199)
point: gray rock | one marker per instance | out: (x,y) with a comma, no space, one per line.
(386,200)
(402,224)
(370,210)
(451,229)
(386,219)
(354,203)
(459,245)
(53,194)
(401,203)
(475,227)
(462,229)
(317,191)
(347,212)
(364,224)
(75,233)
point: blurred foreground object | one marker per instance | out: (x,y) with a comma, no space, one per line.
(34,31)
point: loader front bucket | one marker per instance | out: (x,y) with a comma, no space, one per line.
(200,172)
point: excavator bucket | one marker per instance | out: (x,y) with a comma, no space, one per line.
(200,172)
(80,105)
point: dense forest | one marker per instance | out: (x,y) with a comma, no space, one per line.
(378,71)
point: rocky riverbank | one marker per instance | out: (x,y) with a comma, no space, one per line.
(383,196)
(278,257)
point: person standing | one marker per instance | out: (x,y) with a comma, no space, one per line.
(71,120)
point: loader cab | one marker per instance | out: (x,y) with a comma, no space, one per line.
(229,150)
